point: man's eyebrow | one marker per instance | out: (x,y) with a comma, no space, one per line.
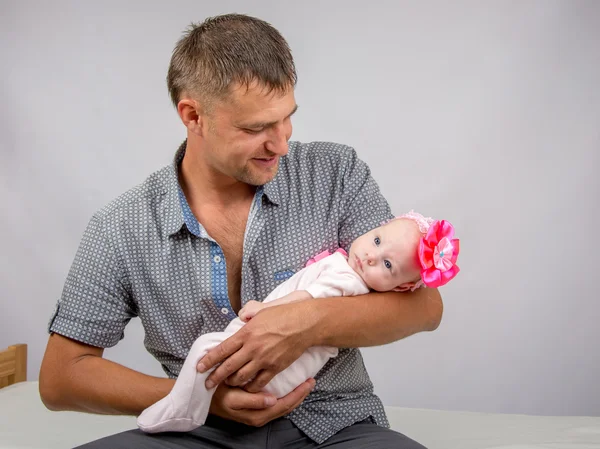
(260,125)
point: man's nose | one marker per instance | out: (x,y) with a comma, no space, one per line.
(278,139)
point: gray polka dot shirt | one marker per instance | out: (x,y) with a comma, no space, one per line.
(145,255)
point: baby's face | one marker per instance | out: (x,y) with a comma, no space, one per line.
(386,257)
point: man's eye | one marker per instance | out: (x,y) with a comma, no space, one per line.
(377,241)
(252,131)
(388,264)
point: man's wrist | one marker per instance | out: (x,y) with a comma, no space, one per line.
(312,319)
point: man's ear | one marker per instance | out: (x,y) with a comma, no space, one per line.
(191,115)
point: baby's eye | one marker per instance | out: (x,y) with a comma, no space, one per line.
(388,264)
(377,241)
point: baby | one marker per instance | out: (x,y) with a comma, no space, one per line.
(405,253)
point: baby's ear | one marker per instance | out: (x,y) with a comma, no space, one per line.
(404,287)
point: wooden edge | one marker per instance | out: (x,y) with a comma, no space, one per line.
(13,365)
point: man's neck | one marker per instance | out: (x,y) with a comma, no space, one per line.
(203,186)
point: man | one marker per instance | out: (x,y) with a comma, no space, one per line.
(239,211)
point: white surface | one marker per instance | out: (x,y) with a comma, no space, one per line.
(26,424)
(501,97)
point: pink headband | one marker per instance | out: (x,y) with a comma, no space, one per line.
(438,250)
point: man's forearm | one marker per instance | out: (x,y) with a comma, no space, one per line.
(97,385)
(93,384)
(374,319)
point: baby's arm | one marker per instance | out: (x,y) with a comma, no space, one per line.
(253,307)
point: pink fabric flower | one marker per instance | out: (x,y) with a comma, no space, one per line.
(438,252)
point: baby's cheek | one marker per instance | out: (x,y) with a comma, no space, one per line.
(376,283)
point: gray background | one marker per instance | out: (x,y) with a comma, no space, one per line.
(483,113)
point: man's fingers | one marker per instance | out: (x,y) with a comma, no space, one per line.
(291,401)
(257,409)
(227,368)
(244,375)
(295,398)
(259,382)
(246,401)
(219,353)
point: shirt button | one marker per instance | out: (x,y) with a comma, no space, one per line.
(217,259)
(224,310)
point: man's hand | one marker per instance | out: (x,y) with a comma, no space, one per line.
(256,409)
(278,335)
(265,346)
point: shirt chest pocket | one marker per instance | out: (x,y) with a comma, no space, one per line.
(276,259)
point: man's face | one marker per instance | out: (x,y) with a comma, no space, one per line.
(248,132)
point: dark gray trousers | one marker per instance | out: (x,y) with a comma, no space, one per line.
(218,433)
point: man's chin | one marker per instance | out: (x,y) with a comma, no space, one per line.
(259,177)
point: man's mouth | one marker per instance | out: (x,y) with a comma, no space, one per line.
(266,161)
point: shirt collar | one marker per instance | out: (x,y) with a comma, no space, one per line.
(173,211)
(272,190)
(277,191)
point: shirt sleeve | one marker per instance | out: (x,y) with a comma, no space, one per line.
(95,305)
(362,206)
